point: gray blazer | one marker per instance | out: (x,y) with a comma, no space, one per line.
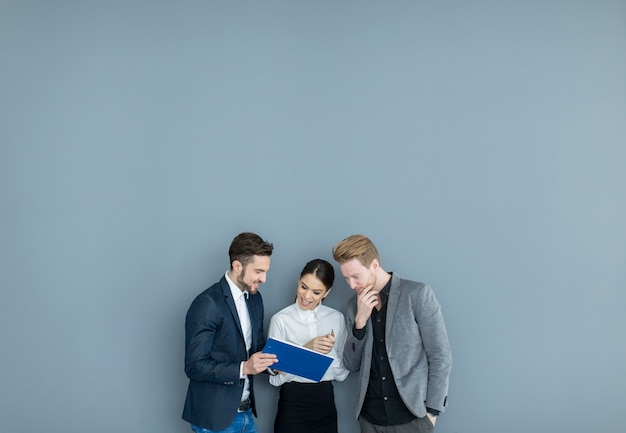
(417,346)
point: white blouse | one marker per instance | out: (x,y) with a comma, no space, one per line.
(298,326)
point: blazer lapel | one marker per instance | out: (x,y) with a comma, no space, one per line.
(392,305)
(228,297)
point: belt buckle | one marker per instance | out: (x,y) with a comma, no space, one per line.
(244,405)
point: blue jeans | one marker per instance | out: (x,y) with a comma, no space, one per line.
(243,423)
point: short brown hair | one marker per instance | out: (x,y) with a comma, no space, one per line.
(246,245)
(358,247)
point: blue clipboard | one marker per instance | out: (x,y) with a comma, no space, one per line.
(298,360)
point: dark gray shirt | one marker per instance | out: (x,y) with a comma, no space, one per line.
(383,404)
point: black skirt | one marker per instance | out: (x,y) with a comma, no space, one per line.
(306,408)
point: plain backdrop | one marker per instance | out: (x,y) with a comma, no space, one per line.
(481,145)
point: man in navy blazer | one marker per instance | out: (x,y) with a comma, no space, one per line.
(223,342)
(397,339)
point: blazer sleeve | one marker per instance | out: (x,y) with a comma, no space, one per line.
(209,355)
(339,370)
(353,347)
(427,311)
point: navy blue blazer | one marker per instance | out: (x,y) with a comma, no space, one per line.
(214,350)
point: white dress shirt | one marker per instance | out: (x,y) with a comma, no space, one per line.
(298,326)
(244,318)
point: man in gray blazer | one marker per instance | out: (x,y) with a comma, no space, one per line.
(397,339)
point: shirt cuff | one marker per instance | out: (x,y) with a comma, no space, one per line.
(433,412)
(241,375)
(359,334)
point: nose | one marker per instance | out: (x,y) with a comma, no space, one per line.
(262,278)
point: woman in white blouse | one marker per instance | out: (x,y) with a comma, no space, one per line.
(305,406)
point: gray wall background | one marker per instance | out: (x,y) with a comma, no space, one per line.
(481,145)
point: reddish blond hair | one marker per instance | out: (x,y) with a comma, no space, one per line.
(358,247)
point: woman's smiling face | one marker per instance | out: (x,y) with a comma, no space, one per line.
(310,292)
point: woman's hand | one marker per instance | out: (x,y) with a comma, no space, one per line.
(323,344)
